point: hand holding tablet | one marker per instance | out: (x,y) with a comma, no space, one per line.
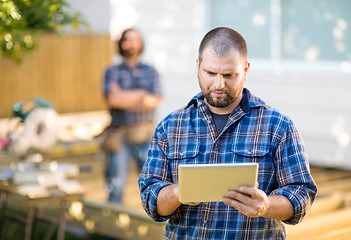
(211,182)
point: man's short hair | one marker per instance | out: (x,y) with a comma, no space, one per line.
(222,40)
(121,51)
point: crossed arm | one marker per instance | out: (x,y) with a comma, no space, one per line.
(138,99)
(250,201)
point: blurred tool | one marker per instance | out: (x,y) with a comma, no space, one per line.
(39,130)
(36,133)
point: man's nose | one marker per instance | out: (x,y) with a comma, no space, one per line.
(219,81)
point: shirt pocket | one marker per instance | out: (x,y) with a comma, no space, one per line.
(250,152)
(182,154)
(258,153)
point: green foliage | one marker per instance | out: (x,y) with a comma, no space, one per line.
(22,22)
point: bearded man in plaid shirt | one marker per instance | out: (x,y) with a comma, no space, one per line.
(226,123)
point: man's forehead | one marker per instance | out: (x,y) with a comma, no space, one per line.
(133,33)
(213,52)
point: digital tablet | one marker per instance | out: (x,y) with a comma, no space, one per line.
(211,182)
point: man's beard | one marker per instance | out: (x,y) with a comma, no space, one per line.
(219,103)
(129,53)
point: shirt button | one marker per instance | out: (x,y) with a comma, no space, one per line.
(249,152)
(181,154)
(200,103)
(208,121)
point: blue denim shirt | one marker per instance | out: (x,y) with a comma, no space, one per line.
(254,132)
(141,76)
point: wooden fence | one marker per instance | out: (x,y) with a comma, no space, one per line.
(66,70)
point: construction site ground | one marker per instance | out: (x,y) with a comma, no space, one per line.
(328,219)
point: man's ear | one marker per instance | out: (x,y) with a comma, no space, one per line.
(197,64)
(247,68)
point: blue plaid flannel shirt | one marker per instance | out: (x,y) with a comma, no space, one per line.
(254,132)
(141,76)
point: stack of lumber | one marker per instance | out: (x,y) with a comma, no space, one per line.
(330,216)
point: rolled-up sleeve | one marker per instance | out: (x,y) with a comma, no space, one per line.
(293,174)
(155,175)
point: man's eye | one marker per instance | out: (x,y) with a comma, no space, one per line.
(211,73)
(231,75)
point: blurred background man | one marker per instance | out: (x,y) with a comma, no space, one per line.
(132,92)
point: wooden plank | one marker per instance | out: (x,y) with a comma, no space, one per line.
(328,175)
(325,204)
(341,185)
(317,168)
(320,224)
(338,234)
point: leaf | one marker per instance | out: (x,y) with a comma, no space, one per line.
(25,20)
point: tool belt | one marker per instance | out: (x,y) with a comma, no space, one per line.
(112,138)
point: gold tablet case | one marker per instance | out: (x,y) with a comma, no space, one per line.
(211,182)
